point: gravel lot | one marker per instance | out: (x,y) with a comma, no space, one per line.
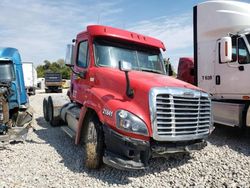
(50,159)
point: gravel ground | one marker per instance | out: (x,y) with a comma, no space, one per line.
(50,159)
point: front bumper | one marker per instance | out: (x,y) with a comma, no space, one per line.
(132,154)
(14,134)
(123,152)
(19,132)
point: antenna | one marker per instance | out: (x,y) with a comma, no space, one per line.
(98,18)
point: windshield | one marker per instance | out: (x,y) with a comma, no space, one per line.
(6,71)
(109,54)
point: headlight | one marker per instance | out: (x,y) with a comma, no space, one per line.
(130,123)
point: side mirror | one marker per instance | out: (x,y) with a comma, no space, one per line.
(170,70)
(69,55)
(225,49)
(125,66)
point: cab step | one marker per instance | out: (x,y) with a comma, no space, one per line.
(69,131)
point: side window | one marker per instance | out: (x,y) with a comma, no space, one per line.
(243,54)
(219,52)
(82,57)
(234,49)
(239,51)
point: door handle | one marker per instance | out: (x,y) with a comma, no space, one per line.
(241,68)
(217,79)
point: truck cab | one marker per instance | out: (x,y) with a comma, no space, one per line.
(124,106)
(185,70)
(11,73)
(222,60)
(14,116)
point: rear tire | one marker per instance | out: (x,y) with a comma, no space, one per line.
(94,143)
(45,109)
(53,122)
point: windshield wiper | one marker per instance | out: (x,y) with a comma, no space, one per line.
(150,70)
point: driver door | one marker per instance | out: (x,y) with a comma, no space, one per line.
(81,80)
(232,78)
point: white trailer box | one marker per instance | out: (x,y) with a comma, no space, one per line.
(30,77)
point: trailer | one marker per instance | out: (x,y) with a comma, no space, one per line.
(30,77)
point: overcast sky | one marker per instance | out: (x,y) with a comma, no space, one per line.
(40,29)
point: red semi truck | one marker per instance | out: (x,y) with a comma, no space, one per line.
(186,69)
(123,106)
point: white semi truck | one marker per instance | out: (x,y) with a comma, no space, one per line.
(222,58)
(30,77)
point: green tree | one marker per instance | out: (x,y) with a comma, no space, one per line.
(57,67)
(40,71)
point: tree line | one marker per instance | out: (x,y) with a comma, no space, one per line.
(60,67)
(57,67)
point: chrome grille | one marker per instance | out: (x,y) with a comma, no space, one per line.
(180,114)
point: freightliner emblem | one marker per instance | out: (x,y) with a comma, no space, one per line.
(188,94)
(107,112)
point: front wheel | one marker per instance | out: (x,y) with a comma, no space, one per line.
(94,143)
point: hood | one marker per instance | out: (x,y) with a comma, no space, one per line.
(111,87)
(149,80)
(114,81)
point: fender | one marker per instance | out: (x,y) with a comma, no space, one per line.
(89,104)
(105,104)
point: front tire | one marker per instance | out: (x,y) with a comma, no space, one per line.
(94,143)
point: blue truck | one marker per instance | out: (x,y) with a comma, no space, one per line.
(15,114)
